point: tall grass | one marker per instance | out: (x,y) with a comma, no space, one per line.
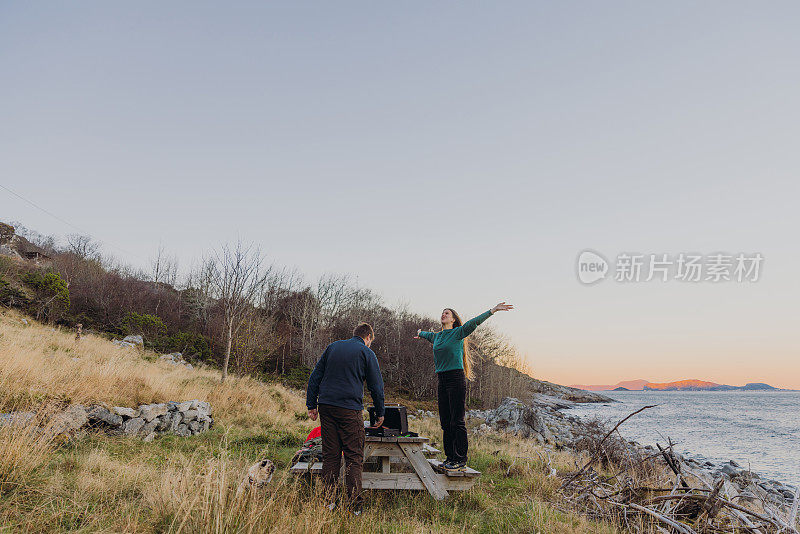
(23,452)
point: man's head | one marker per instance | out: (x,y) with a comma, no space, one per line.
(365,332)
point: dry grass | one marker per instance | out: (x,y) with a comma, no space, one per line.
(113,484)
(40,364)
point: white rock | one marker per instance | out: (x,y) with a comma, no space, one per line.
(16,418)
(204,407)
(135,340)
(132,426)
(70,420)
(150,411)
(124,412)
(186,406)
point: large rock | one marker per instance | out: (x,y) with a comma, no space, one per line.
(731,469)
(514,416)
(165,421)
(204,408)
(541,419)
(69,421)
(186,406)
(16,419)
(132,426)
(554,403)
(175,358)
(125,413)
(566,393)
(176,422)
(100,416)
(148,412)
(148,428)
(134,340)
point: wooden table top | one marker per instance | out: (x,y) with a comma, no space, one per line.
(396,439)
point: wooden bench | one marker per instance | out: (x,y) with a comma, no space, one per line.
(410,452)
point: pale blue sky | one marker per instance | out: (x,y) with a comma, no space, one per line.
(448,154)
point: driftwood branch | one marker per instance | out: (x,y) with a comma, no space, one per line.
(664,519)
(635,497)
(600,448)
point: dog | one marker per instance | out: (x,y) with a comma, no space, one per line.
(258,476)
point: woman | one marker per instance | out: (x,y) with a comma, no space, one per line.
(452,362)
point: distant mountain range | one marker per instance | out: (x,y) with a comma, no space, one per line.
(680,385)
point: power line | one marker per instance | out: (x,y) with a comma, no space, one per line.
(50,213)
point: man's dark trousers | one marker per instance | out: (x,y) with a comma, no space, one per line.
(342,432)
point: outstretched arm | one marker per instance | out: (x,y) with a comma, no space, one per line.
(470,326)
(425,335)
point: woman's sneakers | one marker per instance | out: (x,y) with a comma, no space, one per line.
(457,466)
(453,465)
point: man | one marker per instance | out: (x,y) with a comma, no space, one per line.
(335,393)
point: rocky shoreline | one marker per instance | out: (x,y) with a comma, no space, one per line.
(542,419)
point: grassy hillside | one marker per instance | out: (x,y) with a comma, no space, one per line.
(100,483)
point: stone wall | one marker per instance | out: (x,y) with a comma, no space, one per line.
(147,421)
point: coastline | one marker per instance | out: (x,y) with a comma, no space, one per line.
(756,429)
(542,418)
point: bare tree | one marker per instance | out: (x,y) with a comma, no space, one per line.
(276,299)
(164,268)
(164,272)
(83,246)
(237,277)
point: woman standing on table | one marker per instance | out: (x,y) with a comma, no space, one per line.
(453,368)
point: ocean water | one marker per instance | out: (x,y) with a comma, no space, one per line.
(759,429)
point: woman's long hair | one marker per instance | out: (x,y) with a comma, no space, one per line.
(467,358)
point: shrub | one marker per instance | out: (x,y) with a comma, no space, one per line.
(149,325)
(193,346)
(297,377)
(12,296)
(51,294)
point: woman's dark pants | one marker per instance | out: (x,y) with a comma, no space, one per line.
(452,403)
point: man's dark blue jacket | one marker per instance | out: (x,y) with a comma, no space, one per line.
(338,378)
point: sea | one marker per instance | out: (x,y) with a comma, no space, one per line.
(756,429)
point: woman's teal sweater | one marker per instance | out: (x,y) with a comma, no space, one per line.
(448,345)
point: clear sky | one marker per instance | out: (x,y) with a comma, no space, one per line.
(447,154)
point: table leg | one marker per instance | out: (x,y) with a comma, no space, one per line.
(424,471)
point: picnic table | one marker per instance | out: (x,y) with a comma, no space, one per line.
(405,453)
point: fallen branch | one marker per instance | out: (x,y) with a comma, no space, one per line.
(599,446)
(680,527)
